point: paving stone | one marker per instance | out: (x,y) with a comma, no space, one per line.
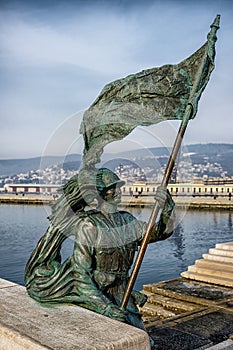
(216,326)
(167,338)
(198,331)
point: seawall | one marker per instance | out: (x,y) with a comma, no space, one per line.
(182,202)
(142,201)
(26,199)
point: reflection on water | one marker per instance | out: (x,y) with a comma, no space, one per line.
(230,221)
(22,226)
(179,244)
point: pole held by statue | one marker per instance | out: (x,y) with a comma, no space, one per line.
(202,78)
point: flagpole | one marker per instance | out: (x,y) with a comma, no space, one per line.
(156,209)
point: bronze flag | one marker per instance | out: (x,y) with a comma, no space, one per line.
(145,98)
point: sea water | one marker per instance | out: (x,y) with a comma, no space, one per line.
(21,226)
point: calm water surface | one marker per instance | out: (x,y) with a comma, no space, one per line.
(22,226)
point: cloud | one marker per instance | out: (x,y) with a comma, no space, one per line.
(56,58)
(94,42)
(105,39)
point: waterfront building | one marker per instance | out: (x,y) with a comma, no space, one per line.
(31,188)
(195,188)
(198,187)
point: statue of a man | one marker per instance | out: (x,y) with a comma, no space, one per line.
(95,275)
(106,239)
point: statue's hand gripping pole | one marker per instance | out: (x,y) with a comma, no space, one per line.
(199,85)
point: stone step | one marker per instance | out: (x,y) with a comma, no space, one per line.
(209,279)
(218,258)
(221,252)
(211,272)
(156,310)
(156,289)
(214,264)
(171,304)
(225,246)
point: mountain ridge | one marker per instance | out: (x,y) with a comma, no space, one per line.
(216,152)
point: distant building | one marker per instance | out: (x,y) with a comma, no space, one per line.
(31,188)
(198,188)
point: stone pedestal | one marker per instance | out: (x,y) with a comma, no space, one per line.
(26,324)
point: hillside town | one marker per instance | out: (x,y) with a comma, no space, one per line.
(56,174)
(131,173)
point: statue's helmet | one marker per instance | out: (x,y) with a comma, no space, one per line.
(106,179)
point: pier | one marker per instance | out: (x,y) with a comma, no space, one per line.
(192,202)
(26,199)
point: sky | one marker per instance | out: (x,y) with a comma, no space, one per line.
(56,56)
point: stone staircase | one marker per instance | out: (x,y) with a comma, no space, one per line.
(213,273)
(216,267)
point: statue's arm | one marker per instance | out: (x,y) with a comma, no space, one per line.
(164,227)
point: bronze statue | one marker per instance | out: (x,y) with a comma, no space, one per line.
(96,274)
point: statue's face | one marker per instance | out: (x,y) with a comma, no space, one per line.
(113,195)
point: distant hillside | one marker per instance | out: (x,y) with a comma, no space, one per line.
(208,149)
(216,153)
(9,167)
(199,154)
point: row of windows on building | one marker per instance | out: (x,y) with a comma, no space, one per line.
(31,189)
(144,190)
(131,190)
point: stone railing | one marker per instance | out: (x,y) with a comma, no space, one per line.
(26,324)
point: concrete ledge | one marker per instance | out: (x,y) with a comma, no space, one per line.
(225,345)
(142,201)
(25,324)
(187,202)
